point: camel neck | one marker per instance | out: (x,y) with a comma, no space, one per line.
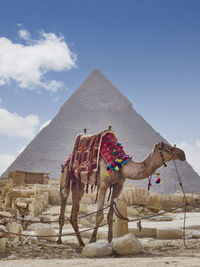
(141,170)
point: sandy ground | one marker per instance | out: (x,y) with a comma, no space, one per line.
(155,252)
(119,262)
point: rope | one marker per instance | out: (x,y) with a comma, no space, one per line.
(186,203)
(42,236)
(78,217)
(180,182)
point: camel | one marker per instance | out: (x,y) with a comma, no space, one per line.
(161,154)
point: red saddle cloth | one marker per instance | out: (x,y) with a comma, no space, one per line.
(111,149)
(84,159)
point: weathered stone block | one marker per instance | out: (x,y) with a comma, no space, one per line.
(169,233)
(126,245)
(145,232)
(97,249)
(3,242)
(46,231)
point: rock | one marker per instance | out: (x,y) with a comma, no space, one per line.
(169,233)
(47,231)
(44,218)
(12,257)
(3,242)
(132,212)
(126,245)
(14,227)
(120,226)
(83,209)
(161,219)
(145,232)
(31,240)
(31,219)
(2,231)
(97,249)
(34,226)
(196,234)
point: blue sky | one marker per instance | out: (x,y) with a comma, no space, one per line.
(149,49)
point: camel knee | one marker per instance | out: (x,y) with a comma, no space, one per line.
(110,216)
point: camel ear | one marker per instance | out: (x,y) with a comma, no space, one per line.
(162,144)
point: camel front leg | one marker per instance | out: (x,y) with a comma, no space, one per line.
(77,193)
(116,191)
(99,215)
(64,193)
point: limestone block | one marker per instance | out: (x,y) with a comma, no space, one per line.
(31,219)
(161,218)
(44,218)
(4,217)
(154,201)
(97,249)
(169,233)
(21,202)
(3,242)
(47,231)
(145,232)
(172,200)
(83,209)
(132,212)
(2,231)
(196,234)
(54,196)
(120,226)
(14,227)
(34,226)
(126,245)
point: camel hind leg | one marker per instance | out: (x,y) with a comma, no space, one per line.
(77,193)
(64,193)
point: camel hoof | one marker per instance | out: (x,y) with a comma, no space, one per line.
(82,244)
(59,241)
(92,240)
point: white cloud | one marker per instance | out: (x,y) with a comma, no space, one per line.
(44,124)
(28,64)
(24,34)
(192,154)
(5,161)
(11,124)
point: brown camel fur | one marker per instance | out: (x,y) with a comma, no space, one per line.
(161,153)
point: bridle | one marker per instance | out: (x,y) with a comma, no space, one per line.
(160,147)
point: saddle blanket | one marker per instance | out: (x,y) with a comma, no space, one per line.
(84,160)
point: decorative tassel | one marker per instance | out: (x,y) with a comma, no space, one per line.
(158,181)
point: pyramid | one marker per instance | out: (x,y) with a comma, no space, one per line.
(95,105)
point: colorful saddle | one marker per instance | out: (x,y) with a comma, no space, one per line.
(84,160)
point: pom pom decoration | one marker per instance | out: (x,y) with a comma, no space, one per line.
(158,181)
(113,154)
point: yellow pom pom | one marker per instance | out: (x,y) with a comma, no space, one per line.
(120,161)
(107,174)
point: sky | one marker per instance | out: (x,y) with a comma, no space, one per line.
(149,49)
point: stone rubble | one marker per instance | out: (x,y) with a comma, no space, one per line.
(40,204)
(97,249)
(126,245)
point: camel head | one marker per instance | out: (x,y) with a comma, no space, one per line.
(168,152)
